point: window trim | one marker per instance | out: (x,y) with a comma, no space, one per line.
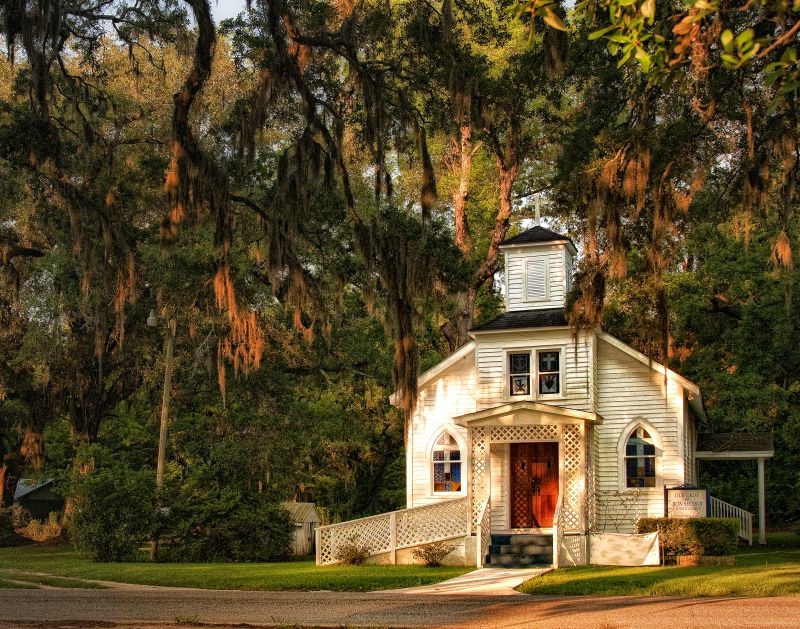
(451,429)
(509,375)
(657,442)
(561,383)
(534,373)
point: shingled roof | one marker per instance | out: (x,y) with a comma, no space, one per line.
(735,442)
(534,235)
(546,318)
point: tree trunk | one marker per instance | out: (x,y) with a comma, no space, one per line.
(508,169)
(10,471)
(463,238)
(456,329)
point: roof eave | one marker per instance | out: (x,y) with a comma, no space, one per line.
(511,408)
(439,368)
(472,333)
(687,384)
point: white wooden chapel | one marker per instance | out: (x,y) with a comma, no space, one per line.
(534,429)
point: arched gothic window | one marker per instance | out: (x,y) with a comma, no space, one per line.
(640,459)
(446,464)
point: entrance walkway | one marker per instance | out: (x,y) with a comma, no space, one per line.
(482,582)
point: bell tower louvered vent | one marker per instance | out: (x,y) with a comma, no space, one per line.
(538,266)
(536,280)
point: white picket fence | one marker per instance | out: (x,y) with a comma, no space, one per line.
(389,532)
(721,509)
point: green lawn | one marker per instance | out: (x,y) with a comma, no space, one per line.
(293,575)
(770,571)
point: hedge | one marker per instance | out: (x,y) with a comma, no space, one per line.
(694,536)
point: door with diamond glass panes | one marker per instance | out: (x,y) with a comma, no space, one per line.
(534,484)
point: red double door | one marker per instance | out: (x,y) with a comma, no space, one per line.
(534,484)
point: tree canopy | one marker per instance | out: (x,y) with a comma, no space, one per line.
(316,191)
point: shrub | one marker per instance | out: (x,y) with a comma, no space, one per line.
(8,535)
(226,525)
(113,512)
(694,536)
(353,552)
(432,554)
(44,531)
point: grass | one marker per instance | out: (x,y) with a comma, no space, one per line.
(35,580)
(293,575)
(770,571)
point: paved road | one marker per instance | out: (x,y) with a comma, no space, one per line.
(150,607)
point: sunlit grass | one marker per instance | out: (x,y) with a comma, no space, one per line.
(292,575)
(770,571)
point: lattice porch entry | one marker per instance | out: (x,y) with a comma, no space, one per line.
(572,461)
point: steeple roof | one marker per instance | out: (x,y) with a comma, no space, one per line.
(535,235)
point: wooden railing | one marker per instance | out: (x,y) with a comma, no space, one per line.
(389,532)
(484,532)
(721,509)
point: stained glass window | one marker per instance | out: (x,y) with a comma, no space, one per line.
(446,464)
(519,369)
(640,459)
(549,372)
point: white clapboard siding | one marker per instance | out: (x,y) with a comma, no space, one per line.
(628,390)
(447,396)
(536,278)
(577,370)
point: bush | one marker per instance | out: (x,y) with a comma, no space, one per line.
(44,531)
(694,536)
(226,525)
(113,512)
(8,535)
(432,554)
(353,552)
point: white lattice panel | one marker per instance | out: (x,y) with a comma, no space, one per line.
(415,526)
(505,434)
(480,489)
(373,532)
(572,509)
(591,481)
(423,525)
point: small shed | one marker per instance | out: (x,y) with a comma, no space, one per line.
(306,518)
(38,497)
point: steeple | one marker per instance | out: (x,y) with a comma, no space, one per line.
(538,265)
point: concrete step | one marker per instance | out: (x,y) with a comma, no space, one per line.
(517,551)
(517,560)
(525,549)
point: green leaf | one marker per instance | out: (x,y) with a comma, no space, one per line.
(648,9)
(553,21)
(744,37)
(644,59)
(726,39)
(599,33)
(620,39)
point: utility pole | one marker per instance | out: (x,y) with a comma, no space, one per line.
(162,434)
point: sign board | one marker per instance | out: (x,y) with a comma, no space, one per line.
(687,503)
